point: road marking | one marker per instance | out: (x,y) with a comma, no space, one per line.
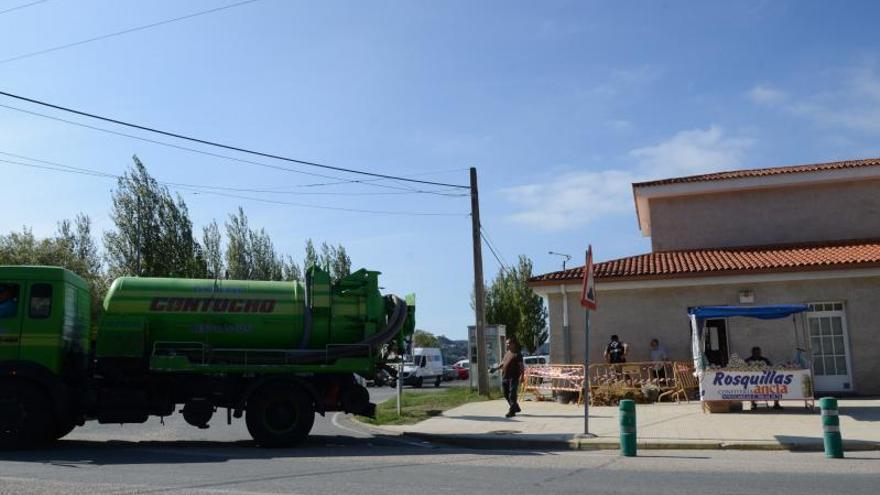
(335,421)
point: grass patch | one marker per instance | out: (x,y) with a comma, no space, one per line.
(418,406)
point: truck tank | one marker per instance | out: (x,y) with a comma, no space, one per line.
(228,318)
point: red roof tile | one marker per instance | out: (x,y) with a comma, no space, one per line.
(764,172)
(727,261)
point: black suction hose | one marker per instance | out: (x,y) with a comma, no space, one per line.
(395,323)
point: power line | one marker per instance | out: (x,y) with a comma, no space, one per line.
(218,188)
(495,254)
(228,147)
(23,6)
(492,244)
(124,31)
(59,167)
(338,180)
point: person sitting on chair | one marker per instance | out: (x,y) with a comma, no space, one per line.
(756,357)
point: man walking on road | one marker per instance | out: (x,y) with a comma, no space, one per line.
(512,368)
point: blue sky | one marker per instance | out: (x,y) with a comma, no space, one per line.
(560,106)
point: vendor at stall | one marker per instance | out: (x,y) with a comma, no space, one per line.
(756,357)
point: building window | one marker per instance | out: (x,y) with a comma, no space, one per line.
(41,301)
(814,307)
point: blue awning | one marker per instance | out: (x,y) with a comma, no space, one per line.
(762,312)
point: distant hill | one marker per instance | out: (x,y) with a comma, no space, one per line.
(453,350)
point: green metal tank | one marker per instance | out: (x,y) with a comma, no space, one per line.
(240,314)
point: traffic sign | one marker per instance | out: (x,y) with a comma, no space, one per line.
(588,291)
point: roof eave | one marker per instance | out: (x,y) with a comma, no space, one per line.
(703,274)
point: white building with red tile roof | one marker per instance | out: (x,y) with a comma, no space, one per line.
(802,234)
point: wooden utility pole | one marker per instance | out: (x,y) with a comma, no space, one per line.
(479,297)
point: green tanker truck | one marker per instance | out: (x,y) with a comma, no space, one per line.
(274,352)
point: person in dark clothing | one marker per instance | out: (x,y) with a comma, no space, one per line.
(615,351)
(512,368)
(756,357)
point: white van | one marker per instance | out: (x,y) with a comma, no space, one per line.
(424,366)
(530,361)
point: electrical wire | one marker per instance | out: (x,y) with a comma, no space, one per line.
(23,6)
(495,254)
(64,167)
(124,31)
(491,242)
(339,180)
(58,167)
(226,146)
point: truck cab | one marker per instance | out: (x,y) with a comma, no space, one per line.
(44,342)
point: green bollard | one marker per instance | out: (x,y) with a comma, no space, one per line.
(831,428)
(627,428)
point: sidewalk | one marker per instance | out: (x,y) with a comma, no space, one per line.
(548,425)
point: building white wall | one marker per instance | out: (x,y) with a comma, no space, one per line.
(793,214)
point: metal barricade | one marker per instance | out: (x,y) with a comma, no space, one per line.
(646,380)
(544,382)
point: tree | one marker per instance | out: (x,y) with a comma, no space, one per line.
(290,269)
(421,338)
(211,240)
(251,255)
(266,265)
(72,247)
(332,259)
(311,258)
(512,303)
(238,252)
(153,232)
(79,253)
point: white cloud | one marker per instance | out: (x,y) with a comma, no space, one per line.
(692,152)
(575,199)
(765,95)
(853,105)
(572,199)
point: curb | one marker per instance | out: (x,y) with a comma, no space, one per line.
(512,443)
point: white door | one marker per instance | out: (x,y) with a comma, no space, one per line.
(829,341)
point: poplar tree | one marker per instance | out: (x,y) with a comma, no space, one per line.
(512,303)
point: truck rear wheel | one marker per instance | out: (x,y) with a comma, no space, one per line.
(25,415)
(62,429)
(279,415)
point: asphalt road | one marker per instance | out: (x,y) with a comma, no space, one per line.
(342,459)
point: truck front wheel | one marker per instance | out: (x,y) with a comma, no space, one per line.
(25,415)
(279,415)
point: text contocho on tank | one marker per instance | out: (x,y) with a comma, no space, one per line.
(205,305)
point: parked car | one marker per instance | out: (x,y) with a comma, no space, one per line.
(383,378)
(464,369)
(536,361)
(449,373)
(424,366)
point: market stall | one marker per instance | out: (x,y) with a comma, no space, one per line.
(755,381)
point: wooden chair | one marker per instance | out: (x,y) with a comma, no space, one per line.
(685,383)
